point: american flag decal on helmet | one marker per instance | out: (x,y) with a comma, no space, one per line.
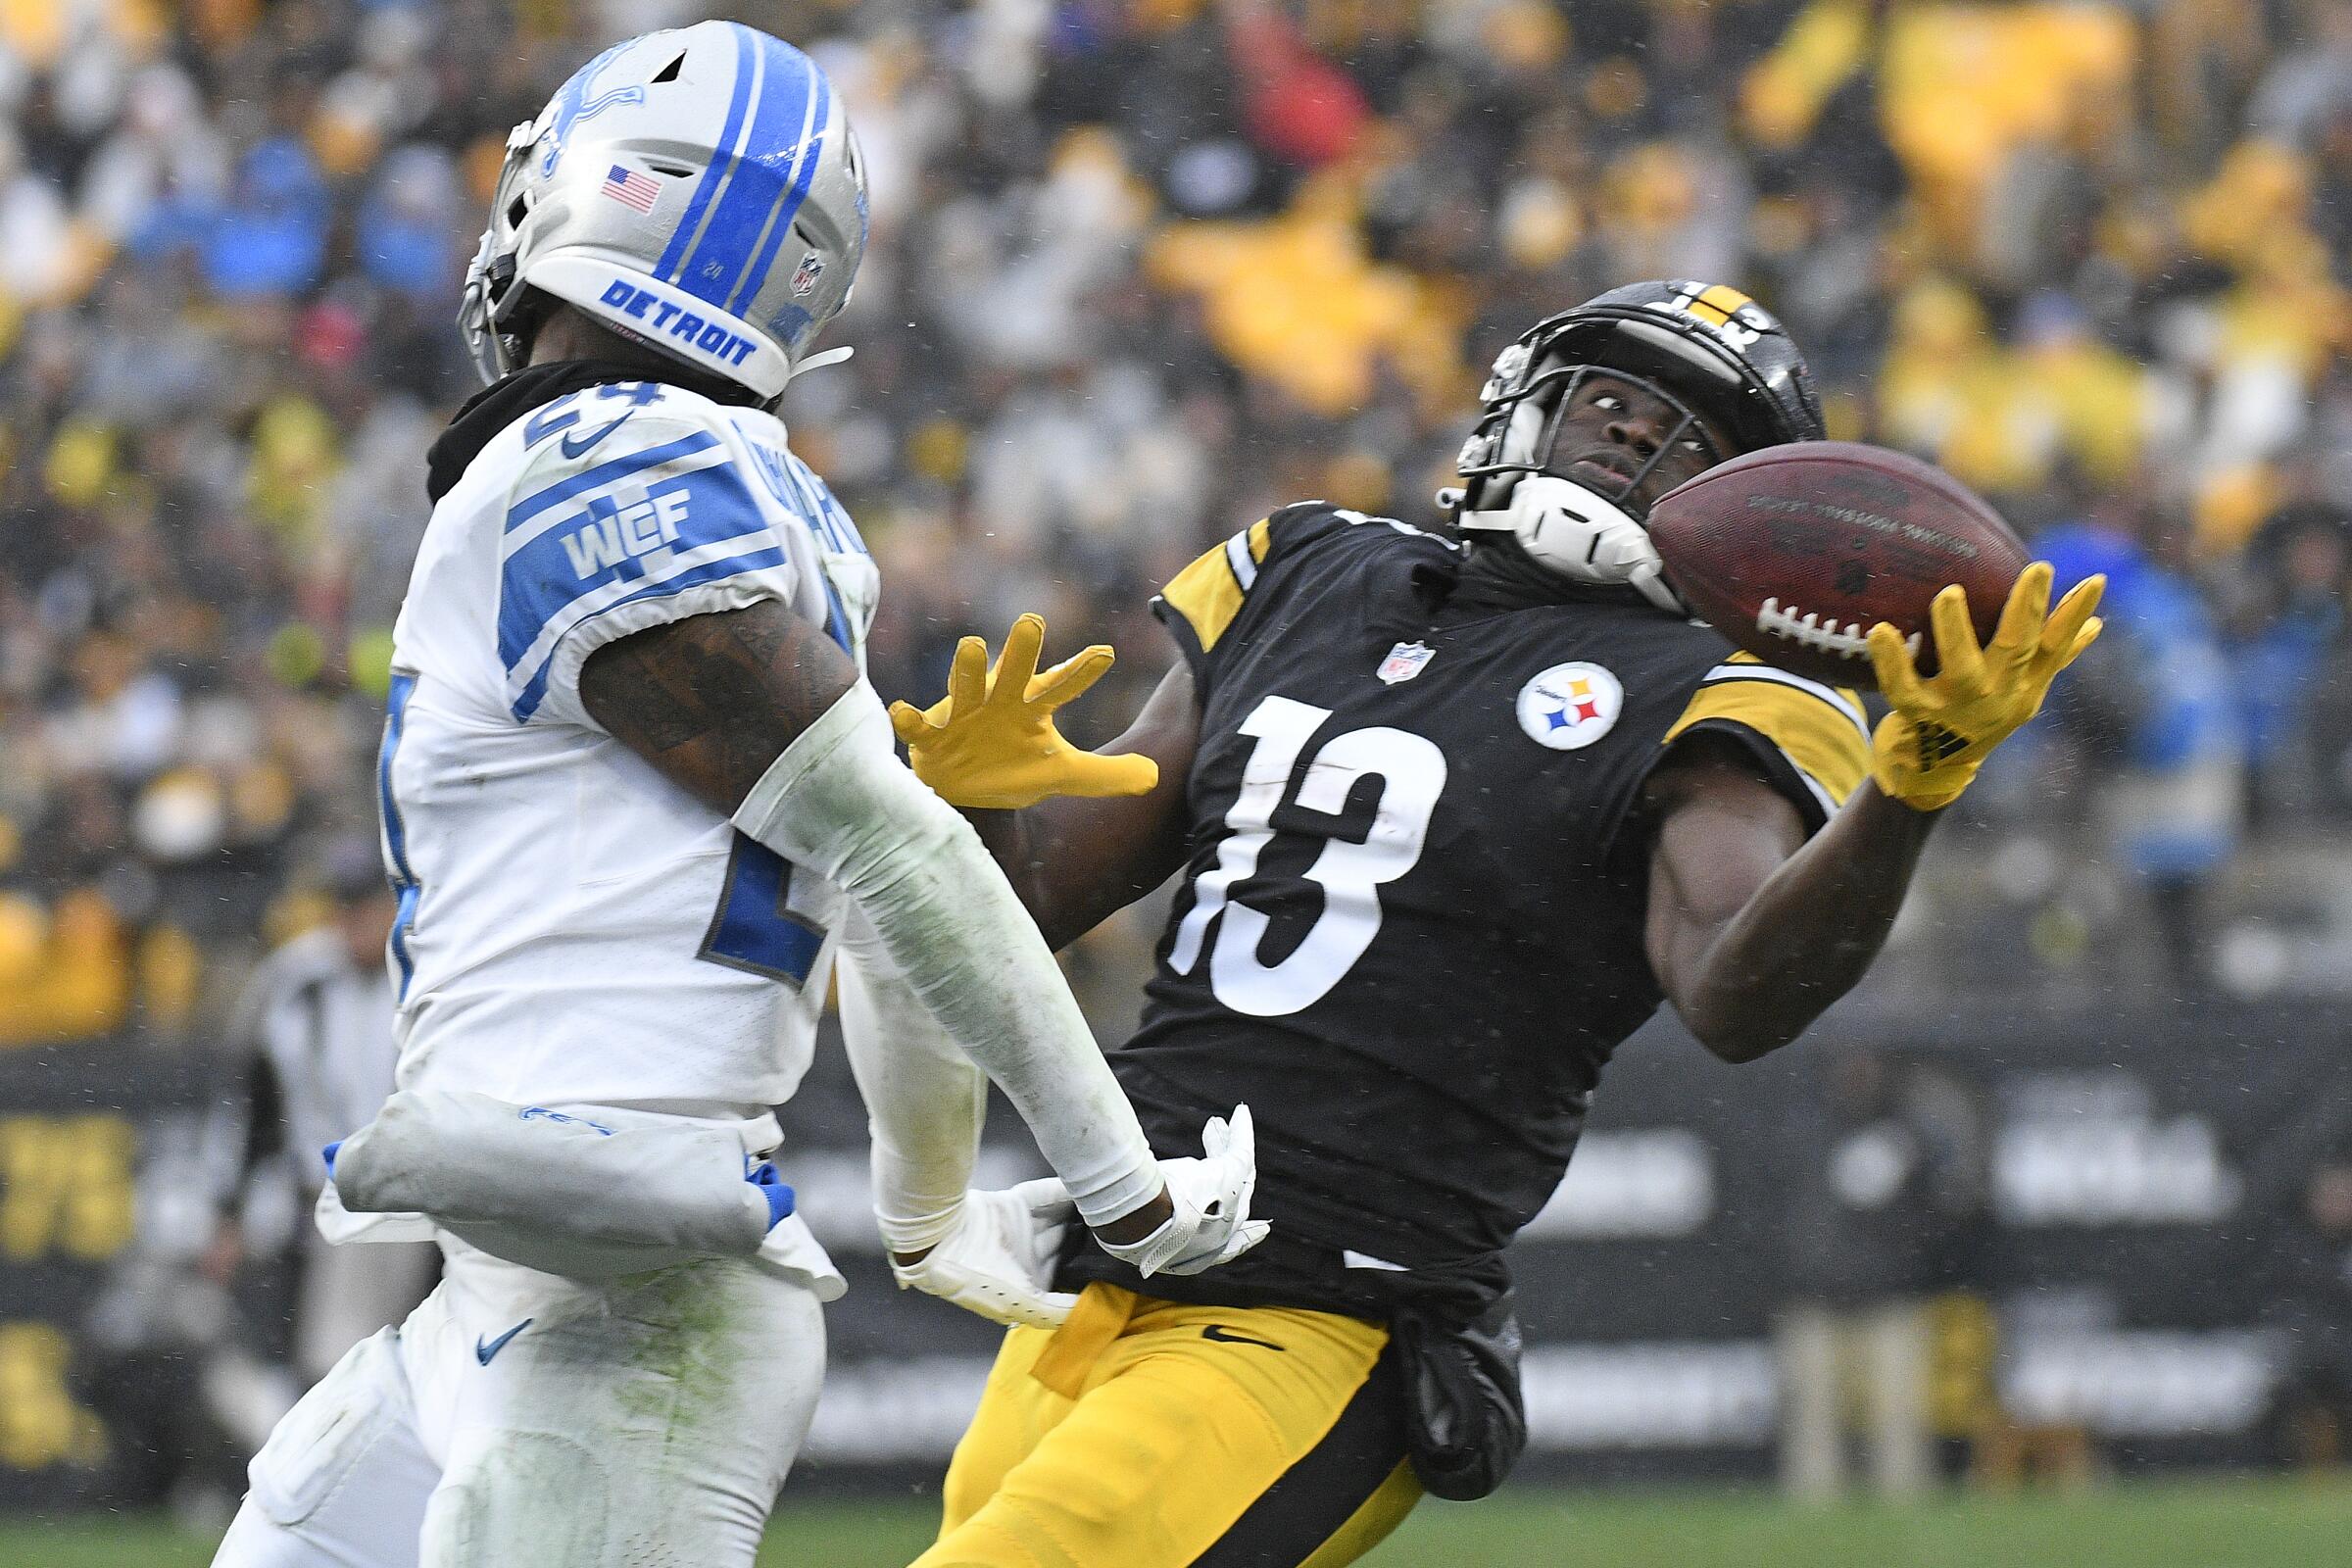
(631,188)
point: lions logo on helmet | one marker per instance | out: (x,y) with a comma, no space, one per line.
(733,152)
(576,101)
(1717,359)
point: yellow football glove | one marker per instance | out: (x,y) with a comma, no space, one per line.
(1944,725)
(990,744)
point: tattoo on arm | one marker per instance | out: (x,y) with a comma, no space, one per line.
(711,700)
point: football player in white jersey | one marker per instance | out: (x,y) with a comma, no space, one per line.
(633,786)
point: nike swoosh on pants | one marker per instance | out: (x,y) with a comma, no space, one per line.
(1225,1335)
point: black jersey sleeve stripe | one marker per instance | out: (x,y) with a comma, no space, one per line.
(1188,643)
(1747,666)
(1242,552)
(1201,600)
(1812,799)
(1818,729)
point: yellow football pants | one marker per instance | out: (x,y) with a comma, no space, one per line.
(1145,1434)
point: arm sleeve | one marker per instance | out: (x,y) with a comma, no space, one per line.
(259,1100)
(263,1136)
(1811,740)
(840,802)
(655,523)
(924,1100)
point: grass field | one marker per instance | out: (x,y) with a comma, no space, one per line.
(2206,1524)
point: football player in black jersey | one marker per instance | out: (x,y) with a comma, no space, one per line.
(1454,812)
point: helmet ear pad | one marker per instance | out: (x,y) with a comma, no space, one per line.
(521,321)
(1579,533)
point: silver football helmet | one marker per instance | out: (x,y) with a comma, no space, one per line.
(699,190)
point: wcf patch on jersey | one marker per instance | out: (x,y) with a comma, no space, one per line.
(1570,706)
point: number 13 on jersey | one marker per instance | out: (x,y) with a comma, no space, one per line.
(1349,872)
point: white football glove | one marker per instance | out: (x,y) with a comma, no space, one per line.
(1212,1224)
(995,1254)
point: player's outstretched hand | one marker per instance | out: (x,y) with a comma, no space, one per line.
(1211,1195)
(997,1257)
(1944,725)
(990,744)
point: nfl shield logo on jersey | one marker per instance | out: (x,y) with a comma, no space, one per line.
(1404,662)
(1570,706)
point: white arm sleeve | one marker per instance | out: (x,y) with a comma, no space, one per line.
(839,802)
(924,1099)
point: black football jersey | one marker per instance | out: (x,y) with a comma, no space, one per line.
(1410,930)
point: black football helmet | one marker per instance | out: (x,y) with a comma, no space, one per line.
(1719,360)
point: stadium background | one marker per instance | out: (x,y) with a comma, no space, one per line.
(1140,271)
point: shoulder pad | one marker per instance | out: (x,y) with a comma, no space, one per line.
(613,430)
(1307,522)
(621,515)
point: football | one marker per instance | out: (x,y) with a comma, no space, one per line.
(1795,552)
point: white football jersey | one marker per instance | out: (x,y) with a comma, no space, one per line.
(575,929)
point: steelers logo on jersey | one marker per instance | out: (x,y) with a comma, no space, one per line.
(1570,706)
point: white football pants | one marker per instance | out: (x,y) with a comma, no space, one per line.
(519,1419)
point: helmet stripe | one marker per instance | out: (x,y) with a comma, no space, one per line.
(779,219)
(730,165)
(1716,304)
(781,102)
(674,255)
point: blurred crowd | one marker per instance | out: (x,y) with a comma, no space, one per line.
(1142,269)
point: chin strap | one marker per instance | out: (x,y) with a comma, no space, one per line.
(1582,535)
(797,369)
(816,361)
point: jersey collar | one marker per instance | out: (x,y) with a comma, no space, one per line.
(1499,577)
(512,397)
